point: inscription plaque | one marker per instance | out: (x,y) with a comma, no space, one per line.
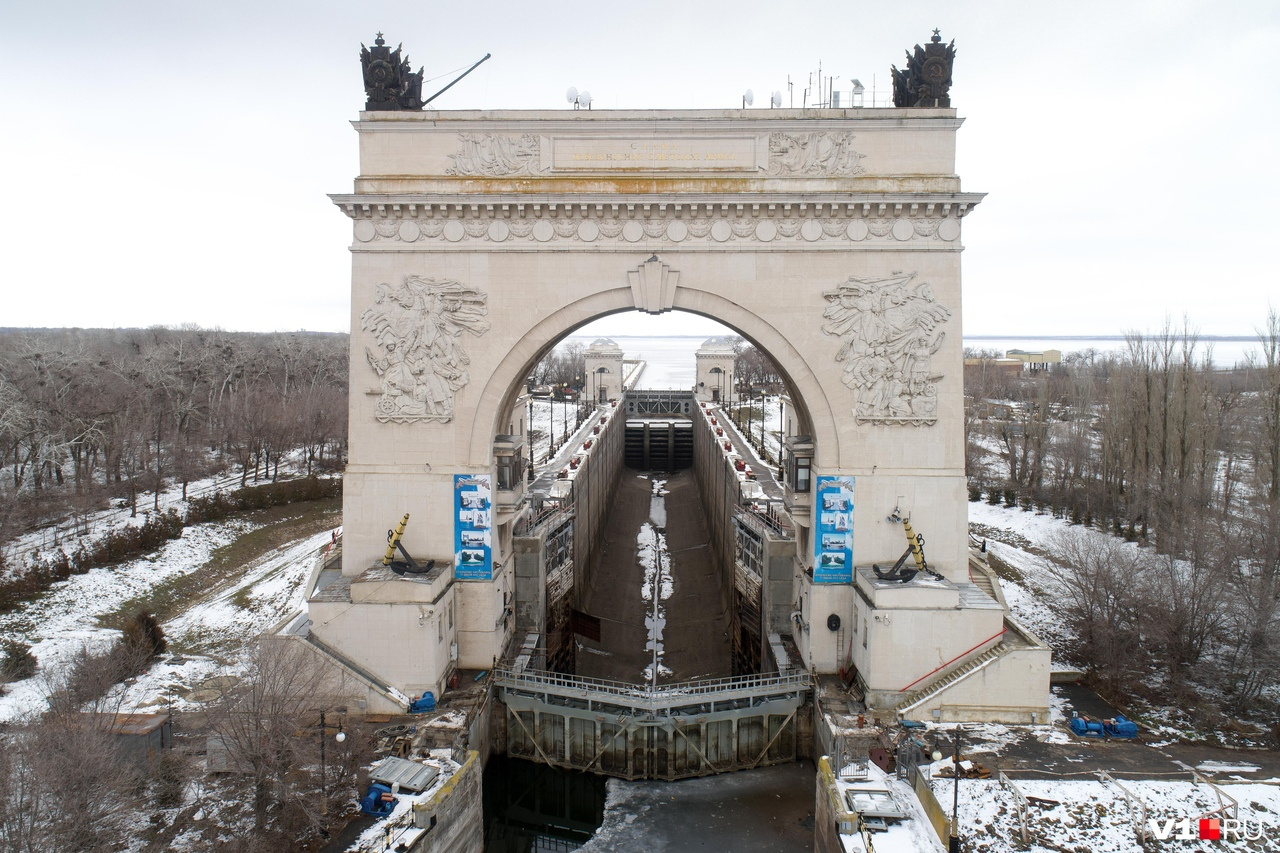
(666,153)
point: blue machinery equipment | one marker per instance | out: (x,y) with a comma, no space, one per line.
(378,801)
(1117,727)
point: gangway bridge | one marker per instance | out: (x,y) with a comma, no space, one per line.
(671,731)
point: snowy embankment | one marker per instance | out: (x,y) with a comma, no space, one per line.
(1089,814)
(65,620)
(1017,538)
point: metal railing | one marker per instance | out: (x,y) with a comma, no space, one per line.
(648,698)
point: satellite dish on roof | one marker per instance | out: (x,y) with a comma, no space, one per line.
(749,98)
(572,95)
(776,100)
(584,98)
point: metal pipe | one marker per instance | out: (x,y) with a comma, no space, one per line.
(455,80)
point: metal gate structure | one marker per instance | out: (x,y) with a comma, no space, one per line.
(675,731)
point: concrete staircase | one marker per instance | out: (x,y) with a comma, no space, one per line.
(982,582)
(945,680)
(984,579)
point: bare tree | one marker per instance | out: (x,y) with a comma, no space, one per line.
(64,783)
(262,721)
(1266,381)
(1098,582)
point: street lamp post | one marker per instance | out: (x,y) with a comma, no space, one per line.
(324,781)
(954,843)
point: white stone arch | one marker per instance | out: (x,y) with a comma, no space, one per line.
(503,384)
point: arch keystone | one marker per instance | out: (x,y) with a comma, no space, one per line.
(653,286)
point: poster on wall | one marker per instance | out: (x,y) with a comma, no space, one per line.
(833,530)
(472,535)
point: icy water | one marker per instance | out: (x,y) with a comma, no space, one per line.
(669,362)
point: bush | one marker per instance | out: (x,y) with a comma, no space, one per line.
(169,780)
(143,636)
(975,493)
(1010,498)
(220,505)
(16,661)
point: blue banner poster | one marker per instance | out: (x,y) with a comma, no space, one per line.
(833,530)
(472,532)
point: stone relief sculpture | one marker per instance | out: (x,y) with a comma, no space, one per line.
(818,153)
(490,155)
(890,328)
(419,360)
(926,82)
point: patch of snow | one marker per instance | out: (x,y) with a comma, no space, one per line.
(1227,767)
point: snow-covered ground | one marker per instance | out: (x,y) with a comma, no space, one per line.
(1016,538)
(1087,814)
(64,620)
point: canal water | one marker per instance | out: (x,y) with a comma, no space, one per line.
(533,808)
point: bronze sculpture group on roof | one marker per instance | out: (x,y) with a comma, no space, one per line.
(926,81)
(389,83)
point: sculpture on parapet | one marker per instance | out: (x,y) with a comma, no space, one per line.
(926,82)
(389,84)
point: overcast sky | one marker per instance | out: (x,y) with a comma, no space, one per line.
(168,162)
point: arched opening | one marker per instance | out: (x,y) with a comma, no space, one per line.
(653,560)
(813,412)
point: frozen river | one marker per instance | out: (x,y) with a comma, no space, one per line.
(669,360)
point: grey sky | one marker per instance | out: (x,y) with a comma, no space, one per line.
(168,162)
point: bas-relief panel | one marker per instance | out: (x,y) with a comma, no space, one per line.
(698,230)
(829,153)
(419,359)
(889,329)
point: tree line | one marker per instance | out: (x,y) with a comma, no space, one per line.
(93,415)
(1157,446)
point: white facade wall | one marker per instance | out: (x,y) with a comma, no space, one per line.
(767,221)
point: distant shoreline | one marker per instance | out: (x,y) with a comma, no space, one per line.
(1121,338)
(977,337)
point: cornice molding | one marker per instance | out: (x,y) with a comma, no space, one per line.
(404,220)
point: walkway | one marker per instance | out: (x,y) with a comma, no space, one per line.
(765,474)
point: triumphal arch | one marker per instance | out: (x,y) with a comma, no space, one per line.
(830,238)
